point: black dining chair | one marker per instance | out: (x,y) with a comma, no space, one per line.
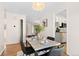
(51,38)
(29,36)
(57,50)
(25,50)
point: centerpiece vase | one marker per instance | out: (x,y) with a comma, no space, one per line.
(37,35)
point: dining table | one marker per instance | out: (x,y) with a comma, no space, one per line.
(39,45)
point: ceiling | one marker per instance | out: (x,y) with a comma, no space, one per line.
(25,8)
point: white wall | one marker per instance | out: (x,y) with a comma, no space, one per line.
(2,40)
(50,30)
(73,29)
(13,33)
(29,28)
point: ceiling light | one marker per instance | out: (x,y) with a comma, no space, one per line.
(38,6)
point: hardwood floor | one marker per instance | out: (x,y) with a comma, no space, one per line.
(65,49)
(12,49)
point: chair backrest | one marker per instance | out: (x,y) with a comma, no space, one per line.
(21,37)
(50,38)
(29,36)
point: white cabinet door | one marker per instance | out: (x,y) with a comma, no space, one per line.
(61,37)
(58,37)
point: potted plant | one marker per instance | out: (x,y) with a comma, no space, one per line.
(38,28)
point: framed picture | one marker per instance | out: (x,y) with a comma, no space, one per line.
(45,22)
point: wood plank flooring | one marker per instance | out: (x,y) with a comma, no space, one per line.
(12,49)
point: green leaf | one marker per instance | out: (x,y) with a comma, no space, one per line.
(38,28)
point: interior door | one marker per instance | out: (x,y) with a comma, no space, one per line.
(12,31)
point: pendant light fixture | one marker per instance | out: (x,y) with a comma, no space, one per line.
(38,6)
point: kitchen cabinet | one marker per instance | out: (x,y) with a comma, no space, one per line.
(61,36)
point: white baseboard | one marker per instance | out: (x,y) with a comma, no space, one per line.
(12,42)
